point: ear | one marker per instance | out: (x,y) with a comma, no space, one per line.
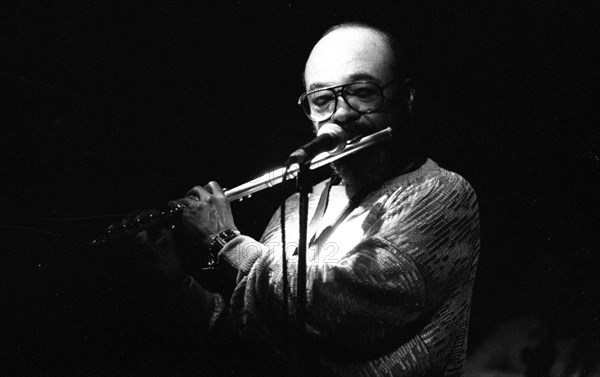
(408,92)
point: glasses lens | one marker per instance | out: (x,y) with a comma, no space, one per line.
(319,105)
(363,97)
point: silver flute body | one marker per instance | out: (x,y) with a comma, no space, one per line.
(170,217)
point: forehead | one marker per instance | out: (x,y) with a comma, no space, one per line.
(349,54)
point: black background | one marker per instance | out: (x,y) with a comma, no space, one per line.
(113,106)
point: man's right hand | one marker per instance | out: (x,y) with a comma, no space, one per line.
(155,248)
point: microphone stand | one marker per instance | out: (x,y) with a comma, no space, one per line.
(304,188)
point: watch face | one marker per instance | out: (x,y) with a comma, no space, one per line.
(218,241)
(228,235)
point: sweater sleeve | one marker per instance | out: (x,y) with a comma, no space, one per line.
(407,280)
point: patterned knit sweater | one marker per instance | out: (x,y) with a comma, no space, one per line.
(388,294)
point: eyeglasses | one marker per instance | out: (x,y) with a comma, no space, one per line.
(364,97)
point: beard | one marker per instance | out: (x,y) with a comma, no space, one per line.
(363,168)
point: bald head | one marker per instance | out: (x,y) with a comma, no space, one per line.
(350,50)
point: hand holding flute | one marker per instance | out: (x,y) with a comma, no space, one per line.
(207,214)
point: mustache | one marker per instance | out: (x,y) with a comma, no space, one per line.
(356,130)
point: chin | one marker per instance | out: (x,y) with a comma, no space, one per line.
(362,167)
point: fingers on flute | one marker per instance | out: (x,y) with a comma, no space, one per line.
(199,193)
(215,189)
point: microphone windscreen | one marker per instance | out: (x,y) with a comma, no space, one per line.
(337,132)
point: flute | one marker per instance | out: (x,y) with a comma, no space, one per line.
(275,177)
(169,217)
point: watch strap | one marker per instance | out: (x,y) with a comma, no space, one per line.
(221,239)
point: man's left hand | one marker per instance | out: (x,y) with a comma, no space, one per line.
(207,212)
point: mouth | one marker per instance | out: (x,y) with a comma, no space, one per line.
(356,132)
(354,138)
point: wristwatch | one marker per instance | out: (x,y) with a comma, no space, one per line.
(218,241)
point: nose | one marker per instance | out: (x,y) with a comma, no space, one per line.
(343,113)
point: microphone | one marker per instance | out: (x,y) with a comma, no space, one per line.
(330,138)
